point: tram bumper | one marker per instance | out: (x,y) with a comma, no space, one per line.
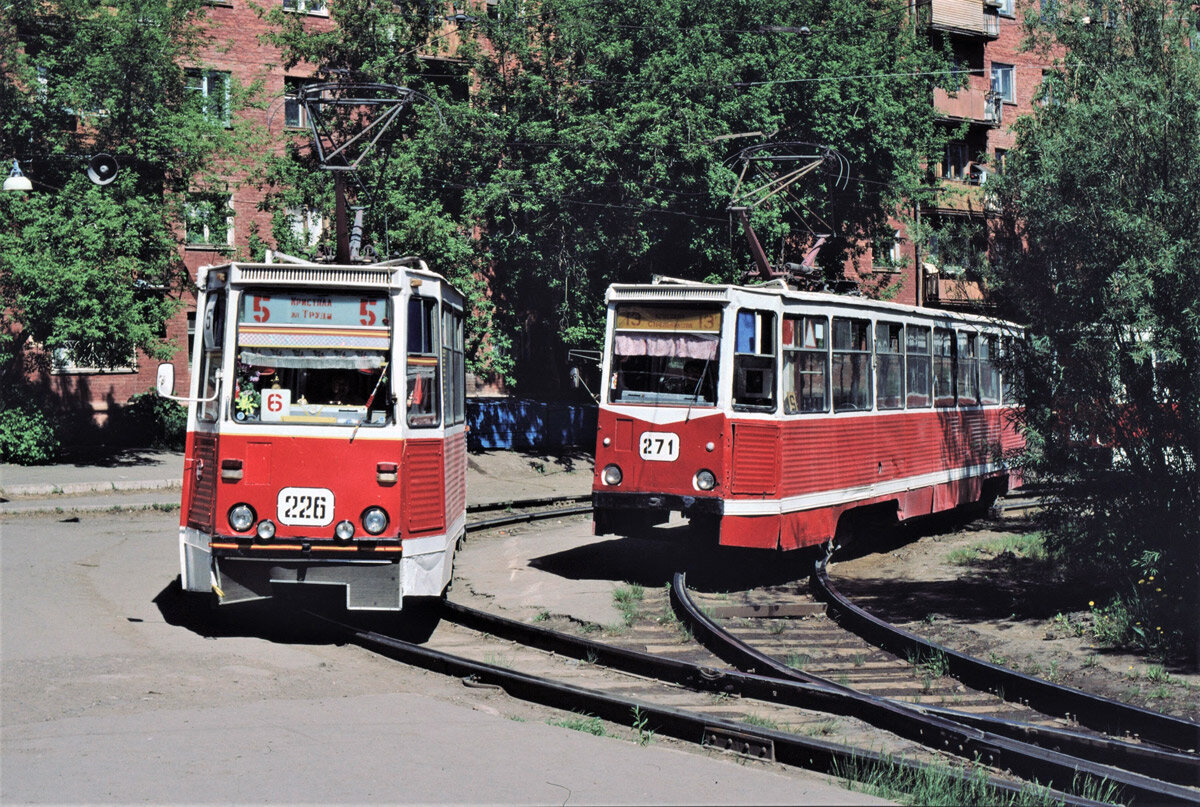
(627,513)
(370,585)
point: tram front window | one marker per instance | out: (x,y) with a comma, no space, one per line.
(665,355)
(313,359)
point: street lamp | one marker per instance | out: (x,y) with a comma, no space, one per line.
(16,180)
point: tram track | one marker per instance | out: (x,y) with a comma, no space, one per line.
(1065,758)
(690,702)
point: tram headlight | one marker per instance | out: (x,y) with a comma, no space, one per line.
(705,480)
(344,530)
(266,529)
(374,520)
(241,517)
(611,475)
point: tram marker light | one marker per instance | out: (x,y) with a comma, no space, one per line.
(266,529)
(344,530)
(705,480)
(611,475)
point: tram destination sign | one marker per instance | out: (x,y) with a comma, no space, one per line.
(294,308)
(663,318)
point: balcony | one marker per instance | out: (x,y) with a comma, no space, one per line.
(961,197)
(976,106)
(969,17)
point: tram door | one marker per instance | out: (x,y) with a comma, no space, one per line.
(201,466)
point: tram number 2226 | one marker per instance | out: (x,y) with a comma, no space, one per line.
(659,446)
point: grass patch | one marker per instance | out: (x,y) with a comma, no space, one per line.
(1022,545)
(588,724)
(628,599)
(948,786)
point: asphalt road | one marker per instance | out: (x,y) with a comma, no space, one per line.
(117,688)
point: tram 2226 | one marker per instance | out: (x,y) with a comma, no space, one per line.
(770,415)
(326,439)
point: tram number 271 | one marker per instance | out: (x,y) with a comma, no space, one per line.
(659,446)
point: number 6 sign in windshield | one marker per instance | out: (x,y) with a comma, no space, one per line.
(659,446)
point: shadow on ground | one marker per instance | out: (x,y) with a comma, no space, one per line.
(653,561)
(295,615)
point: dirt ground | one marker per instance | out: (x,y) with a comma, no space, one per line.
(1004,608)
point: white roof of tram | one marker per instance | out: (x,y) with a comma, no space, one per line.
(674,290)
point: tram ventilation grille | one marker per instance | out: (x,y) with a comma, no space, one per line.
(673,293)
(334,276)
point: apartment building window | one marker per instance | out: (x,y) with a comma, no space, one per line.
(1003,7)
(307,225)
(294,115)
(212,88)
(64,361)
(957,159)
(1002,82)
(316,7)
(208,219)
(999,161)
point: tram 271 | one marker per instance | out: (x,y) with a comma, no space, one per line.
(772,416)
(326,440)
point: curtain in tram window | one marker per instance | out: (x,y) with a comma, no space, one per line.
(683,346)
(313,359)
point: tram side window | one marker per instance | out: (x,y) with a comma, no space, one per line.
(943,367)
(1010,389)
(968,369)
(421,399)
(989,370)
(211,358)
(454,377)
(805,365)
(889,365)
(754,361)
(851,365)
(918,377)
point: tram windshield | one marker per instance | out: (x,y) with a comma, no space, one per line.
(312,358)
(665,355)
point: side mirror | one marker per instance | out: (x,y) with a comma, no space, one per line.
(576,380)
(166,380)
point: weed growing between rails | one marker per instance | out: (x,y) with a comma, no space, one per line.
(946,786)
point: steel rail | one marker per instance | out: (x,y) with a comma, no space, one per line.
(484,507)
(1026,760)
(1169,766)
(1093,711)
(704,730)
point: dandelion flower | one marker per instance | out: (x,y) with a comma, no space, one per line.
(1091,603)
(1151,577)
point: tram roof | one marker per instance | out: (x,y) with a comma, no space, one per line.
(289,271)
(675,290)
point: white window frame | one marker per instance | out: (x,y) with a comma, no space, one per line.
(61,363)
(208,239)
(307,224)
(291,87)
(313,8)
(1004,82)
(207,87)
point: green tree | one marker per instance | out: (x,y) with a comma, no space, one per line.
(595,145)
(88,269)
(1101,256)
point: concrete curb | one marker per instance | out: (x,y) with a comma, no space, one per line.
(42,491)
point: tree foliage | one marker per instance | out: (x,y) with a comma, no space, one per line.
(1101,256)
(573,144)
(94,270)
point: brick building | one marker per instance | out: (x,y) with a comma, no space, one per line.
(984,36)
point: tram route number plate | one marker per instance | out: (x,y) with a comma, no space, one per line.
(305,507)
(659,446)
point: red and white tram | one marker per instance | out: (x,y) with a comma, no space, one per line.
(326,437)
(770,414)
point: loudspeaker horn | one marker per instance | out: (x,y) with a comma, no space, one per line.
(102,169)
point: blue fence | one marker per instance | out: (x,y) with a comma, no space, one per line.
(524,425)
